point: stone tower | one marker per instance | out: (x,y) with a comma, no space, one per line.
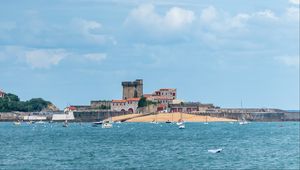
(132,89)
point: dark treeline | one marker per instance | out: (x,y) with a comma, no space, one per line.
(11,102)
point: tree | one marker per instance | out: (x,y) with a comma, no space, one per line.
(11,102)
(142,102)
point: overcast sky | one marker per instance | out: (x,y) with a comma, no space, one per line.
(213,51)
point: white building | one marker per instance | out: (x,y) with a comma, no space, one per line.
(2,94)
(128,105)
(34,118)
(67,115)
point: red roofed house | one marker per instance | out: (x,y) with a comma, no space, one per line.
(128,105)
(2,94)
(163,97)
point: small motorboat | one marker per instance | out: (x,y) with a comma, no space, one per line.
(168,121)
(182,126)
(17,123)
(215,150)
(243,123)
(40,122)
(97,123)
(107,124)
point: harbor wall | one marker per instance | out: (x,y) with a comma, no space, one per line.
(93,116)
(257,116)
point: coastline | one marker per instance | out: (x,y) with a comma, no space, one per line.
(173,117)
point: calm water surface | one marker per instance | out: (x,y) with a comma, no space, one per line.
(150,146)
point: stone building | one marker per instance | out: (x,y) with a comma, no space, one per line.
(127,105)
(188,107)
(132,89)
(169,93)
(96,104)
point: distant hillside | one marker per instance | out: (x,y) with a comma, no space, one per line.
(11,102)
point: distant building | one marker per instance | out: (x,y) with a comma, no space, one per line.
(169,93)
(67,115)
(132,89)
(96,104)
(163,97)
(2,94)
(188,107)
(128,105)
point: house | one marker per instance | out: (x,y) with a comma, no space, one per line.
(2,93)
(126,105)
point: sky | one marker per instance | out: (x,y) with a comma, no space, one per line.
(222,52)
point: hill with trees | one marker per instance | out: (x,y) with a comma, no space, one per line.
(11,102)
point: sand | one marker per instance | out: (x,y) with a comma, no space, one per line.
(163,117)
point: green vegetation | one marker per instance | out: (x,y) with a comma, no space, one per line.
(144,102)
(11,102)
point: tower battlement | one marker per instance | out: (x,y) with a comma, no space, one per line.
(132,89)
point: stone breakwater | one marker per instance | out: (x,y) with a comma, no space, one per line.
(257,116)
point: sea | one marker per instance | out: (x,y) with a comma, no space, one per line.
(258,145)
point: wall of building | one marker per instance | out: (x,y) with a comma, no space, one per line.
(93,116)
(124,105)
(98,103)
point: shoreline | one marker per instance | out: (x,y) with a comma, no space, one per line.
(172,117)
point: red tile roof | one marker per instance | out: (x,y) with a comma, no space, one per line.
(119,101)
(72,108)
(133,99)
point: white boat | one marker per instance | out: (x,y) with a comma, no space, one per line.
(40,122)
(65,123)
(215,150)
(107,125)
(180,121)
(243,122)
(182,126)
(17,123)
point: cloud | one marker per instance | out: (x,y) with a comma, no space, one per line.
(145,16)
(92,31)
(209,14)
(42,58)
(296,2)
(265,14)
(290,61)
(293,13)
(98,57)
(177,18)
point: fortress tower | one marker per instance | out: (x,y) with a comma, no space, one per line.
(132,89)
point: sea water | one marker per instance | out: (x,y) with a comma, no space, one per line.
(150,146)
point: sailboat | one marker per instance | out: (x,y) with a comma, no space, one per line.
(95,124)
(65,123)
(243,121)
(180,122)
(155,120)
(206,120)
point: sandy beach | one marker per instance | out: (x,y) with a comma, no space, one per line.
(163,117)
